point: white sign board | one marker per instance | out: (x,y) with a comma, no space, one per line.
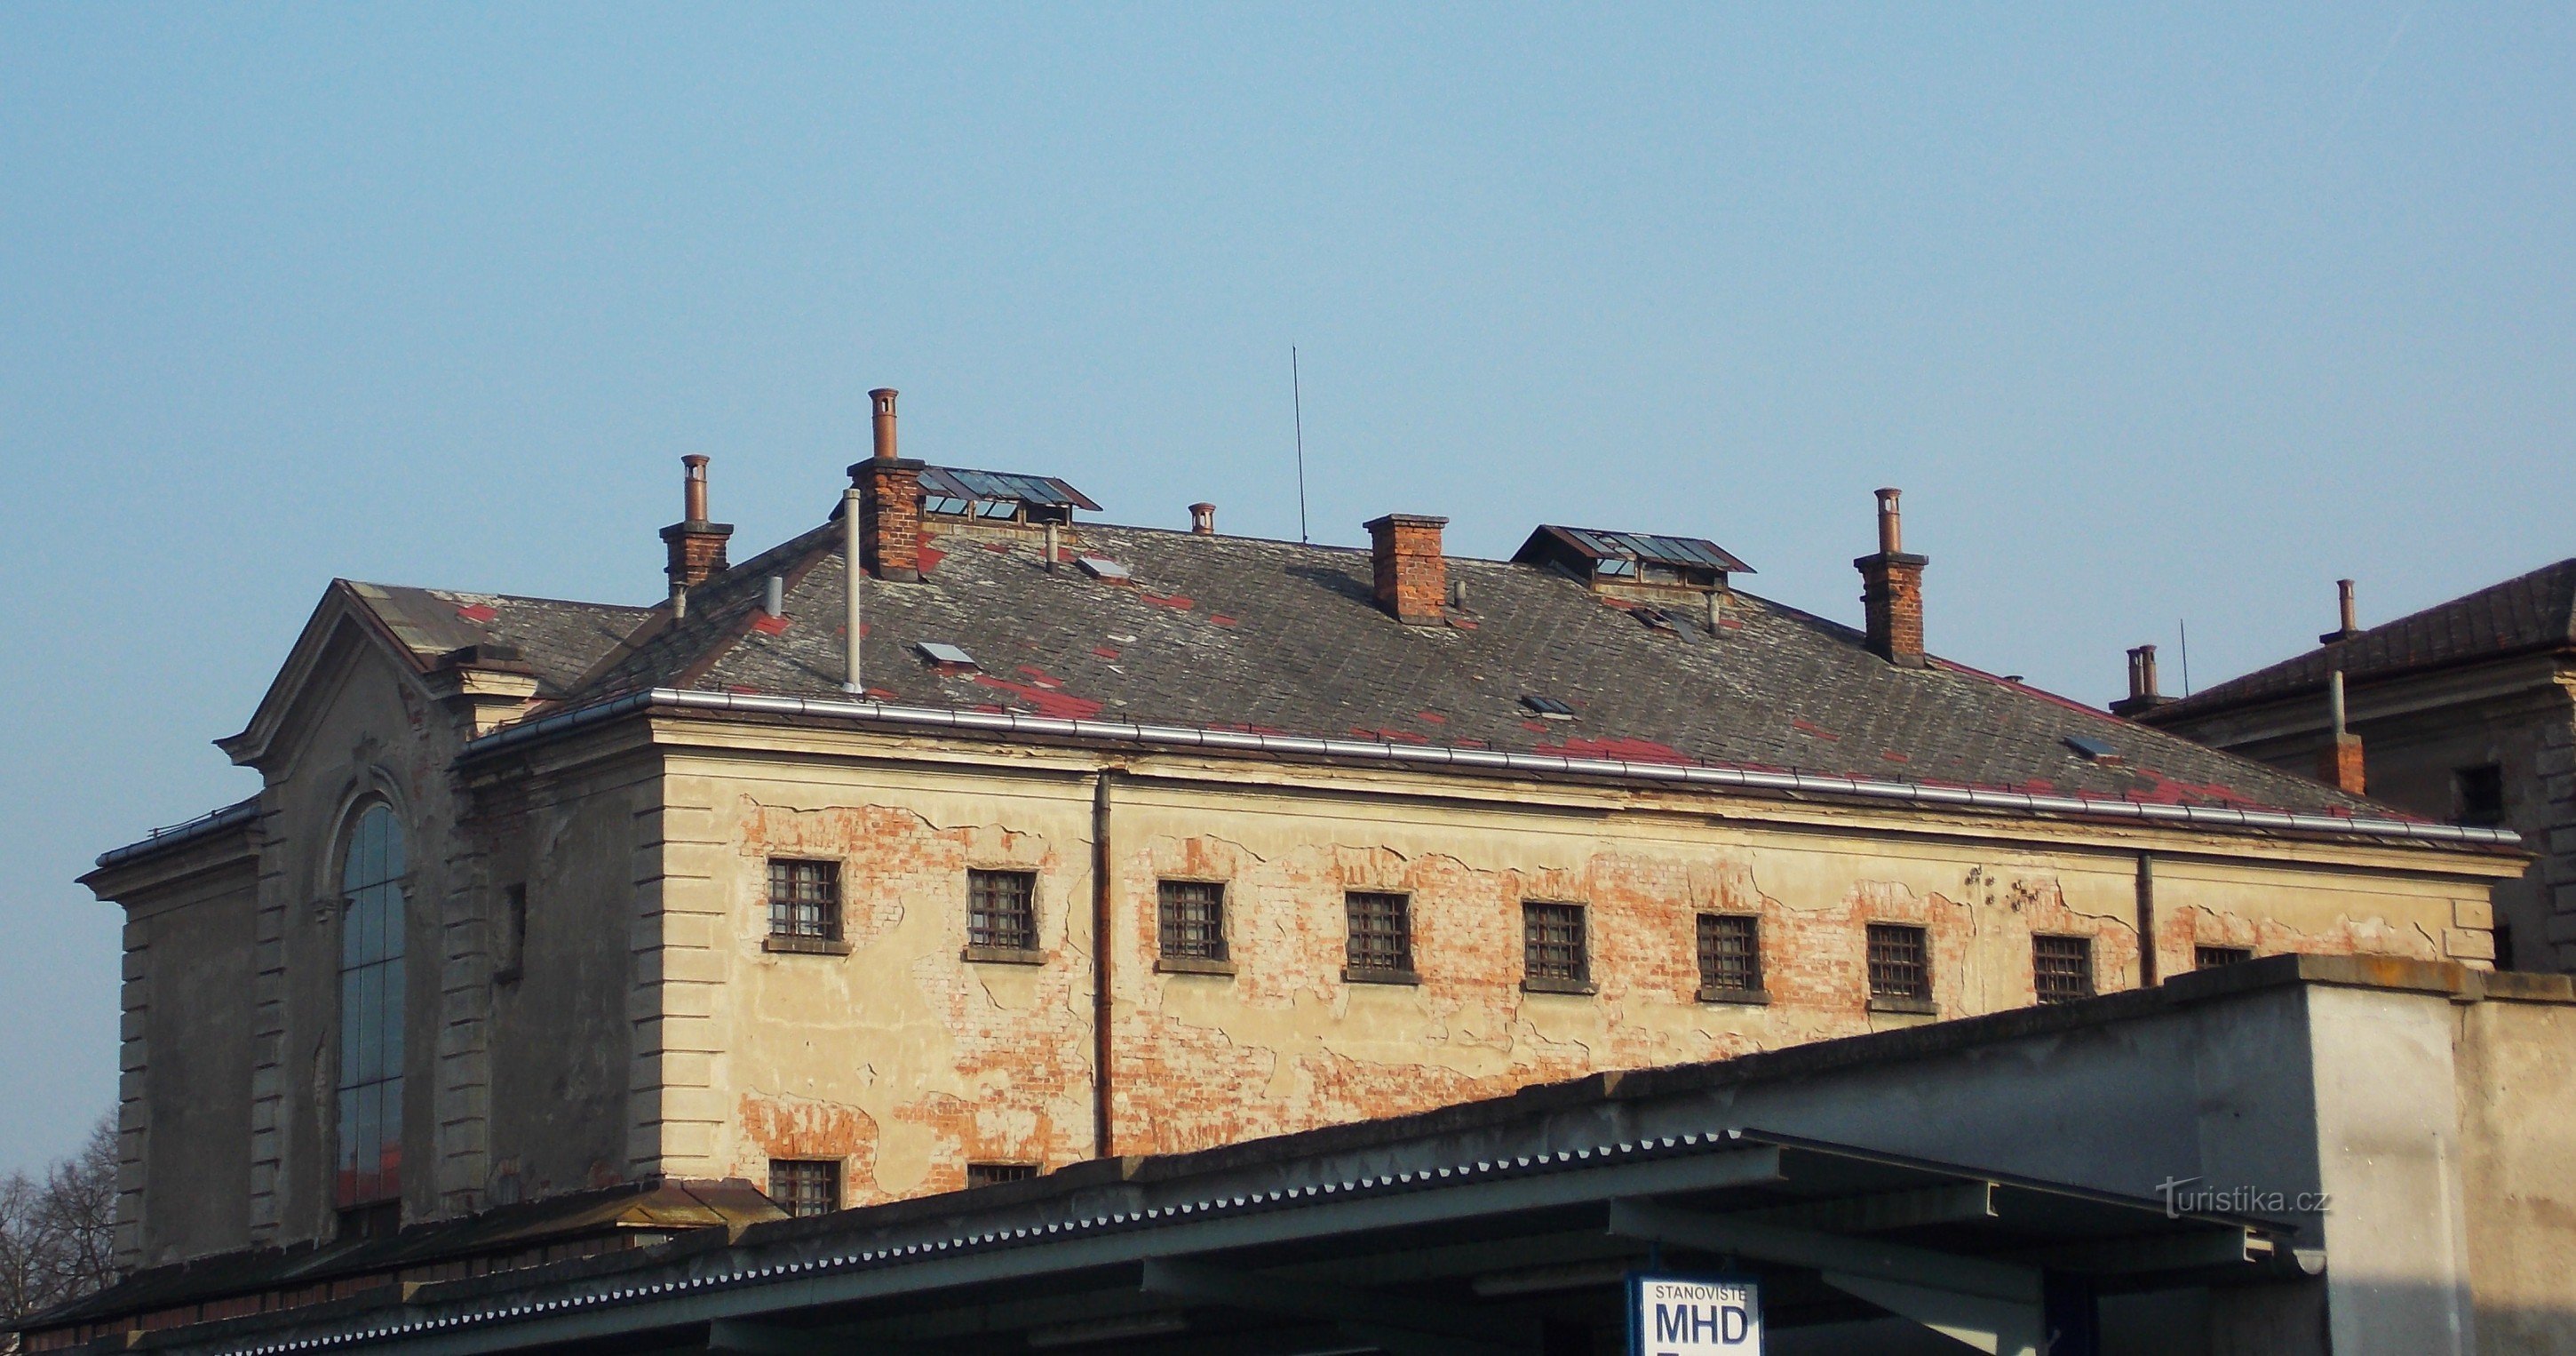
(1694,1316)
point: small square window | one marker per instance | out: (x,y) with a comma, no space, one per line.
(1730,952)
(2212,957)
(2480,792)
(988,1174)
(1001,910)
(1552,945)
(805,900)
(805,1186)
(1381,940)
(2061,968)
(1193,920)
(1900,962)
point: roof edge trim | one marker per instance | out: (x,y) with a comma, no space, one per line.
(1486,760)
(203,826)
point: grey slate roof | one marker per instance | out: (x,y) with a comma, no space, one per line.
(561,640)
(2530,613)
(1242,633)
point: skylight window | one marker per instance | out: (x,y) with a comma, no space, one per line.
(940,503)
(2092,750)
(946,656)
(1547,708)
(997,508)
(1104,569)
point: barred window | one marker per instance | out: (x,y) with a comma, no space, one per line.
(1381,932)
(805,1186)
(2061,968)
(1900,962)
(1730,951)
(1552,943)
(986,1174)
(2212,957)
(1001,910)
(1193,919)
(805,900)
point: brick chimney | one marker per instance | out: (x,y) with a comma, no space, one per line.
(1412,575)
(1892,591)
(2143,696)
(695,546)
(889,502)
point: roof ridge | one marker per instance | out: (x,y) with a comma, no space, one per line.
(2556,614)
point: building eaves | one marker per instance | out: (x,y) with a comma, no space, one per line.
(176,836)
(1013,725)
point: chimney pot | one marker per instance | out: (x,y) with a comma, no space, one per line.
(1203,519)
(1892,591)
(2143,694)
(774,602)
(2345,615)
(1412,576)
(693,489)
(883,399)
(693,547)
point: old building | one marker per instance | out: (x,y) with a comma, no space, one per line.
(1105,840)
(2464,712)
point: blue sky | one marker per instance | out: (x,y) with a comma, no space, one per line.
(2155,315)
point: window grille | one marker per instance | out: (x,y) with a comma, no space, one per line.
(805,1186)
(1001,910)
(1900,962)
(805,900)
(1381,932)
(1730,951)
(2061,968)
(986,1174)
(1552,943)
(2212,957)
(1193,920)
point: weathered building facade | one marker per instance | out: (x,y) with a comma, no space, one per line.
(2463,712)
(1105,840)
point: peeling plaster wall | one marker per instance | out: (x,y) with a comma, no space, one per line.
(906,1062)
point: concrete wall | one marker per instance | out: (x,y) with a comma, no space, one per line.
(2517,1105)
(906,1062)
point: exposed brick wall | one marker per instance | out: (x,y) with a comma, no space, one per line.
(1412,575)
(696,550)
(2340,765)
(1892,603)
(889,516)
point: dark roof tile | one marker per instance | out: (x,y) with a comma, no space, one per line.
(2536,611)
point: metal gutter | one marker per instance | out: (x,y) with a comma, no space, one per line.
(203,826)
(1483,760)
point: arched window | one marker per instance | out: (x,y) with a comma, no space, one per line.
(371,1011)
